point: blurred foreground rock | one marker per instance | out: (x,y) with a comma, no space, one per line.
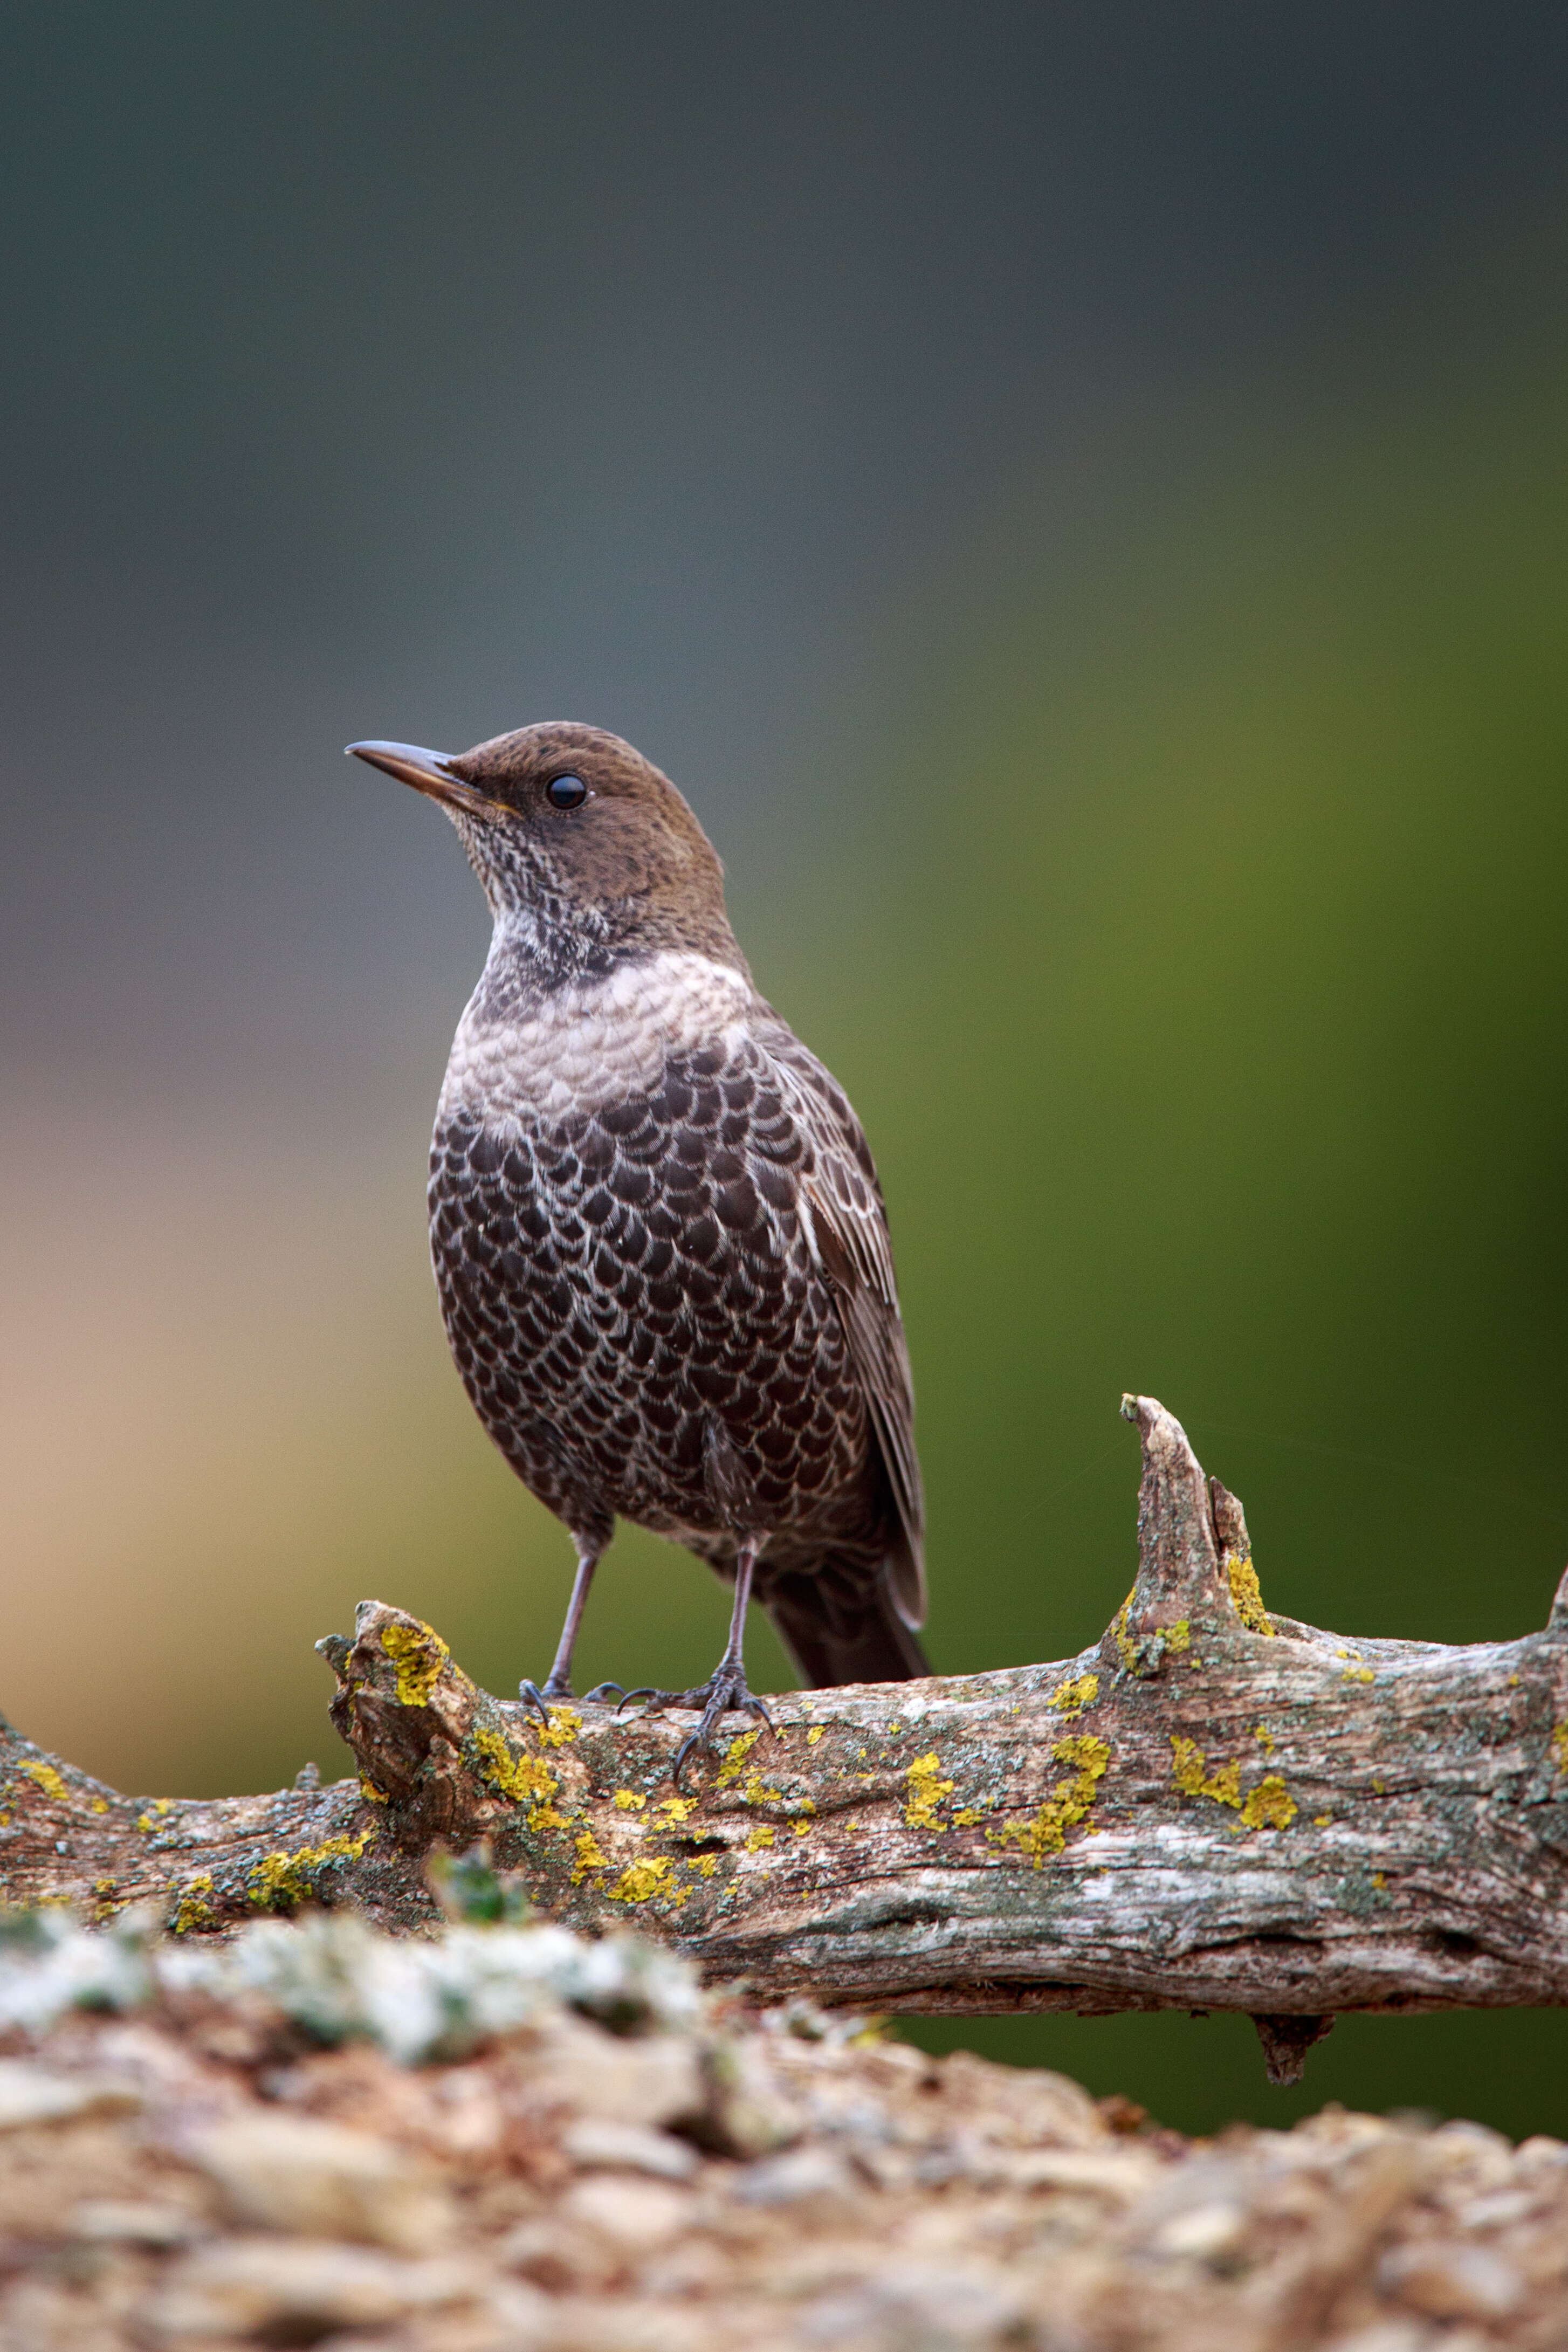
(506,2137)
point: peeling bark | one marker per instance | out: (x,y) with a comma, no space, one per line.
(1213,1808)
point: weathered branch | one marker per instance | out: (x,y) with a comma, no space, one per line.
(1214,1808)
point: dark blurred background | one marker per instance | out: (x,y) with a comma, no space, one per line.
(1076,496)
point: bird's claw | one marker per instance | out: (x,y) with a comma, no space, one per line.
(725,1694)
(542,1701)
(601,1692)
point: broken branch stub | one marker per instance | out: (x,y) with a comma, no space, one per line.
(1211,1808)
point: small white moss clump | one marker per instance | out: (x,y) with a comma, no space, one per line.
(338,1978)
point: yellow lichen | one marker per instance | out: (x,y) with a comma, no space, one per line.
(279,1881)
(1074,1697)
(735,1757)
(628,1801)
(968,1817)
(145,1822)
(196,1907)
(1246,1592)
(926,1792)
(814,1735)
(1379,1788)
(1271,1805)
(755,1794)
(1264,1739)
(590,1856)
(1068,1802)
(706,1864)
(1190,1771)
(371,1793)
(679,1808)
(563,1726)
(641,1879)
(419,1652)
(801,1828)
(1118,1634)
(760,1835)
(1322,1821)
(100,1804)
(1358,1675)
(1380,1879)
(48,1780)
(1560,1745)
(526,1779)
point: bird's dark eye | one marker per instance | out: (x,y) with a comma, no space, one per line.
(567,792)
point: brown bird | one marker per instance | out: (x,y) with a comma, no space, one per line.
(658,1233)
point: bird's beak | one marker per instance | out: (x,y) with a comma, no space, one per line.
(429,773)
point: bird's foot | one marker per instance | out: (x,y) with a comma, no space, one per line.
(724,1693)
(560,1694)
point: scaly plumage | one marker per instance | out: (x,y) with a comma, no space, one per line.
(657,1229)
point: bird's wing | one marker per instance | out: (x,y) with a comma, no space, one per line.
(848,1225)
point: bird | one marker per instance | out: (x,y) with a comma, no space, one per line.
(659,1237)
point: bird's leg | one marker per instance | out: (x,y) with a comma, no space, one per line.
(725,1691)
(558,1686)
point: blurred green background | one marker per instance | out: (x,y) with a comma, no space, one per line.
(1078,499)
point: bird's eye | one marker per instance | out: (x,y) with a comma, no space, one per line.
(567,792)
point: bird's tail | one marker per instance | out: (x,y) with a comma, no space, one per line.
(841,1626)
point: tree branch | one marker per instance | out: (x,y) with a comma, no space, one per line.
(1214,1808)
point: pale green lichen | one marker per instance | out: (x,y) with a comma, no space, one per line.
(1067,1804)
(279,1881)
(419,1652)
(1246,1592)
(927,1792)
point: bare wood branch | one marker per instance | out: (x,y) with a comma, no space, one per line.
(1213,1808)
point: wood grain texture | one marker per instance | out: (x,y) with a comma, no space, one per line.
(1214,1808)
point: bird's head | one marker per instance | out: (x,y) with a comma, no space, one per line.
(587,853)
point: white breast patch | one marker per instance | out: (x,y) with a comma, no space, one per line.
(581,1047)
